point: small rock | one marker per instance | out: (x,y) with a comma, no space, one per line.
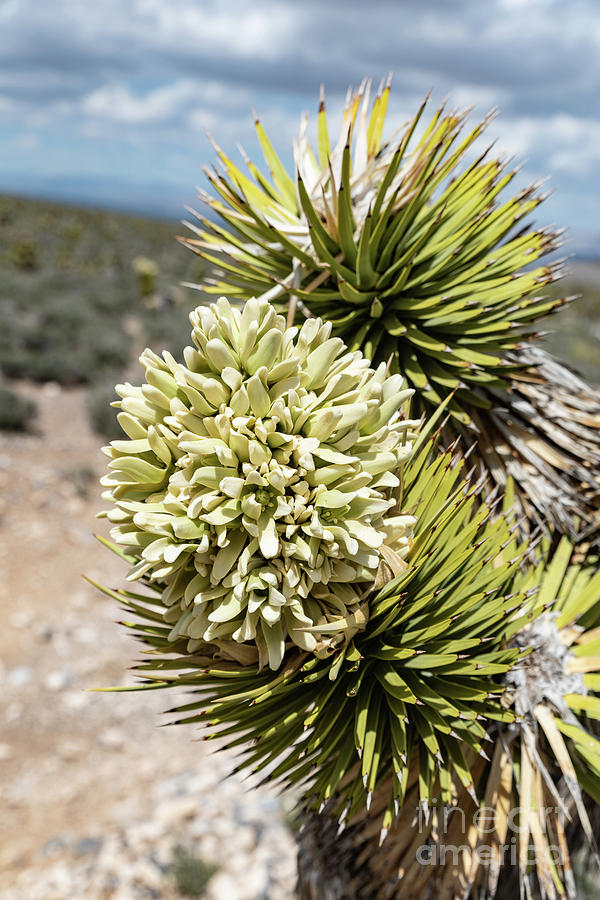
(71,750)
(87,845)
(146,874)
(256,881)
(80,533)
(174,812)
(85,634)
(223,887)
(59,680)
(45,633)
(54,845)
(19,676)
(111,738)
(75,700)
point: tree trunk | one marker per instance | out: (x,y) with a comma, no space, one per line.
(351,865)
(326,862)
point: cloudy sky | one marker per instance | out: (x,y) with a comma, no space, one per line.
(108,101)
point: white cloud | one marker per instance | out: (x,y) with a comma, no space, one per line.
(238,28)
(571,144)
(7,104)
(118,103)
(578,151)
(181,105)
(525,4)
(132,84)
(262,29)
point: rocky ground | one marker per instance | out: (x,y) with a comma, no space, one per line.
(97,800)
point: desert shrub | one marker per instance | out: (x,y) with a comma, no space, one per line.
(6,212)
(103,416)
(66,341)
(73,232)
(191,873)
(16,411)
(111,348)
(24,254)
(47,365)
(574,339)
(167,327)
(586,884)
(64,295)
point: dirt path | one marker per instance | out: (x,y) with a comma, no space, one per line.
(78,766)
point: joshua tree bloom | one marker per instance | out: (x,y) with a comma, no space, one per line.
(256,485)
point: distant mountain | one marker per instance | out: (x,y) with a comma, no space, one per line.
(168,201)
(144,198)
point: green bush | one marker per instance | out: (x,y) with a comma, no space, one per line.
(16,412)
(191,873)
(574,339)
(24,254)
(103,416)
(63,340)
(68,280)
(584,878)
(6,212)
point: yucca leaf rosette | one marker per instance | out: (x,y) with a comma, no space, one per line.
(417,251)
(407,245)
(554,747)
(531,789)
(398,713)
(256,484)
(465,679)
(470,694)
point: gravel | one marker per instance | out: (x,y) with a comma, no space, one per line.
(97,800)
(199,819)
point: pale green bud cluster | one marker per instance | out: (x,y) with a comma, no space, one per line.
(255,487)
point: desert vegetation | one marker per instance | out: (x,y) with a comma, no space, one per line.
(74,308)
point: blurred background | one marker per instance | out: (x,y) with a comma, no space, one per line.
(103,114)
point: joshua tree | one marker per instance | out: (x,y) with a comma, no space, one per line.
(359,616)
(415,251)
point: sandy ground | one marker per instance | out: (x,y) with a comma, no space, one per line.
(77,765)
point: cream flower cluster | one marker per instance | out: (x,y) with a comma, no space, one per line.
(255,486)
